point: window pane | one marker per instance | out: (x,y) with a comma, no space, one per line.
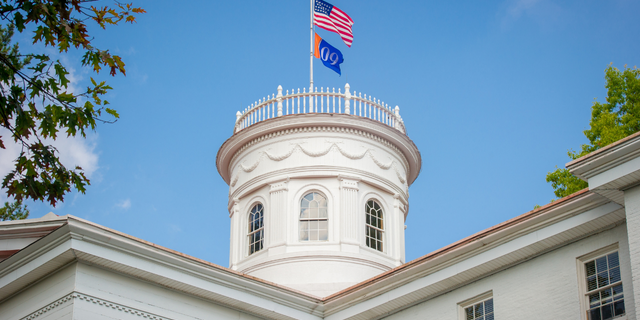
(304,230)
(601,264)
(469,313)
(603,279)
(614,275)
(304,213)
(322,213)
(323,234)
(595,314)
(488,306)
(607,312)
(605,295)
(613,260)
(594,300)
(617,290)
(618,308)
(478,310)
(591,268)
(313,234)
(592,284)
(488,317)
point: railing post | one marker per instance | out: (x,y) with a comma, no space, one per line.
(279,99)
(398,122)
(310,99)
(238,115)
(347,99)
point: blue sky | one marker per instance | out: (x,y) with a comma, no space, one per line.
(493,93)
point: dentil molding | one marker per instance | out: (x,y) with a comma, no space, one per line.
(70,298)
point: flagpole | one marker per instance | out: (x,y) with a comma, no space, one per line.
(311,55)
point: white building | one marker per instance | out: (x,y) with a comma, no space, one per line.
(318,197)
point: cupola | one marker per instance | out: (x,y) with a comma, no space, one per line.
(318,188)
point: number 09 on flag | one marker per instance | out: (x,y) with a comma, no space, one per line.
(330,56)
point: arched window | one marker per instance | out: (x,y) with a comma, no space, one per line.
(375,225)
(256,228)
(314,224)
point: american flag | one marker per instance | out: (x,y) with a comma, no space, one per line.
(330,18)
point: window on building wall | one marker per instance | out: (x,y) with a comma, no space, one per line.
(374,225)
(314,224)
(479,310)
(256,228)
(602,281)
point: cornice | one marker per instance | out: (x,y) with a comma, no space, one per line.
(173,260)
(606,158)
(38,248)
(348,123)
(386,263)
(73,296)
(466,248)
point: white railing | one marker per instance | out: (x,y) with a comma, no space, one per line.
(319,102)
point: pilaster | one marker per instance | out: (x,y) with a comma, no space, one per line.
(278,213)
(632,208)
(349,228)
(235,253)
(399,213)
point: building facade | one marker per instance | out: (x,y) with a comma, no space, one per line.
(318,197)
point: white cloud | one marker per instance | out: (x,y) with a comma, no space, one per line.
(173,228)
(72,151)
(518,7)
(124,204)
(544,12)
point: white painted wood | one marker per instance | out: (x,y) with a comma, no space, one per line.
(265,108)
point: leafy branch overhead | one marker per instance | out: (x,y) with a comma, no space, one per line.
(611,121)
(35,102)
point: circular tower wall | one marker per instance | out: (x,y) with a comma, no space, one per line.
(318,201)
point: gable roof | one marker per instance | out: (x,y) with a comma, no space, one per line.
(293,304)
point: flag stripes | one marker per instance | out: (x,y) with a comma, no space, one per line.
(330,18)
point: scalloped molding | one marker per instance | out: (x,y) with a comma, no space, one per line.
(87,298)
(318,153)
(321,129)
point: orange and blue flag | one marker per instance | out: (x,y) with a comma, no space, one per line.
(330,56)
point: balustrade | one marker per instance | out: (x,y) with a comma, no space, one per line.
(321,101)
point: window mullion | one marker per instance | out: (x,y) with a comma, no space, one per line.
(603,288)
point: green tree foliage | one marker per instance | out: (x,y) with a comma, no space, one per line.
(35,103)
(13,211)
(611,121)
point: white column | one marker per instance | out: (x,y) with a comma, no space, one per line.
(399,213)
(349,212)
(235,252)
(278,214)
(632,208)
